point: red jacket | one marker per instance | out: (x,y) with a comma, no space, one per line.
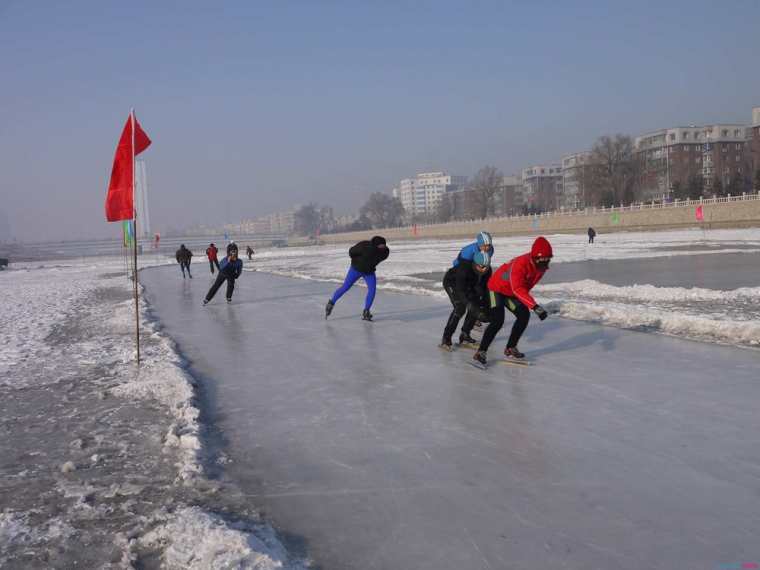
(519,276)
(211,253)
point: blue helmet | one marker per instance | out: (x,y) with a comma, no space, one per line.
(482,258)
(484,238)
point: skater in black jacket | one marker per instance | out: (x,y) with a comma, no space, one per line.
(467,288)
(184,257)
(365,257)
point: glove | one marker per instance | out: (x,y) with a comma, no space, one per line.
(540,312)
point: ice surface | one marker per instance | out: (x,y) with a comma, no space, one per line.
(373,449)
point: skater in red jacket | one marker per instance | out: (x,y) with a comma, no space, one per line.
(509,287)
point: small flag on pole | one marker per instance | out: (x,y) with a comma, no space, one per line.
(699,214)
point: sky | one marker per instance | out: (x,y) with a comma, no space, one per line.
(256,106)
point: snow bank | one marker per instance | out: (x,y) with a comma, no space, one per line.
(193,539)
(737,333)
(590,289)
(74,321)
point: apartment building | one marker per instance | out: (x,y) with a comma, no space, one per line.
(576,173)
(541,187)
(717,154)
(753,140)
(422,194)
(508,198)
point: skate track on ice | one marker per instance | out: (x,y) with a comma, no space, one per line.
(618,450)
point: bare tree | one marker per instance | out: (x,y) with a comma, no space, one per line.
(445,209)
(483,187)
(382,211)
(307,220)
(615,172)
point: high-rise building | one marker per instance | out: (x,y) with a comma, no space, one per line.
(541,187)
(422,194)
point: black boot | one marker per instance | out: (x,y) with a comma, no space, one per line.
(512,352)
(480,358)
(366,315)
(465,338)
(446,343)
(329,308)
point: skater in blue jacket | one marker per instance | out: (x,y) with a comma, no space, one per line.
(230,269)
(483,242)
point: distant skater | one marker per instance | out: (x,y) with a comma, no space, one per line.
(365,257)
(591,235)
(467,288)
(211,253)
(510,287)
(230,269)
(250,252)
(184,257)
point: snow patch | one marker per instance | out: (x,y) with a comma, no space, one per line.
(196,540)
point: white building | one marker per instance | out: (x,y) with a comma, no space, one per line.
(422,194)
(541,186)
(574,168)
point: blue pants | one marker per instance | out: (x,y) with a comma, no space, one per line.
(351,278)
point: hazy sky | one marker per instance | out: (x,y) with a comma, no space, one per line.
(254,106)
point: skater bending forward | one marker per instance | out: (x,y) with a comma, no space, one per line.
(230,269)
(467,287)
(510,287)
(365,257)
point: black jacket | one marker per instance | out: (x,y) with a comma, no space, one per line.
(365,256)
(467,283)
(184,255)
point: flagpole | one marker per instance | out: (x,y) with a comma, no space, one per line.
(134,229)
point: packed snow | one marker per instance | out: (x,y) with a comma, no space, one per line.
(101,461)
(721,316)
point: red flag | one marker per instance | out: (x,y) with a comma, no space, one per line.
(120,197)
(699,213)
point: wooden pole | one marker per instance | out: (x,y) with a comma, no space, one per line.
(134,239)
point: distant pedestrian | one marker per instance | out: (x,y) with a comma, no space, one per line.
(250,252)
(365,257)
(230,269)
(591,235)
(184,256)
(211,253)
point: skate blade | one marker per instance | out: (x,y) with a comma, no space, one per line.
(446,347)
(471,345)
(515,362)
(478,365)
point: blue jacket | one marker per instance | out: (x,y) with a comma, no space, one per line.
(231,268)
(468,252)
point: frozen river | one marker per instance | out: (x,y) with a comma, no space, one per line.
(370,448)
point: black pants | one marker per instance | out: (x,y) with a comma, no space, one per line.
(461,307)
(211,263)
(497,302)
(185,265)
(221,278)
(591,239)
